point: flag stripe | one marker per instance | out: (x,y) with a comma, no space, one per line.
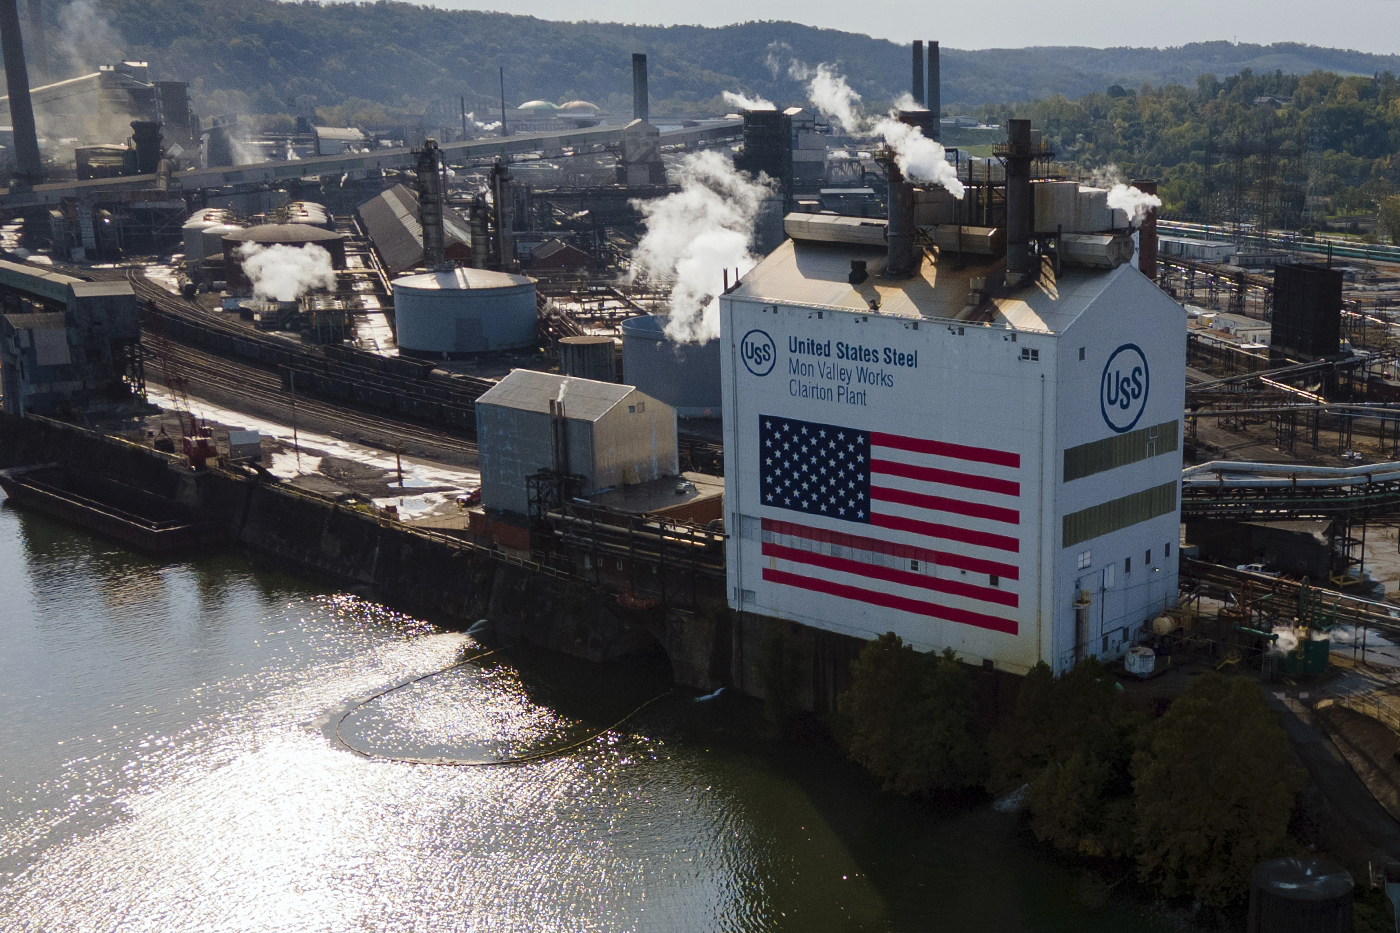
(946,477)
(942,504)
(889,574)
(878,546)
(889,601)
(944,449)
(947,532)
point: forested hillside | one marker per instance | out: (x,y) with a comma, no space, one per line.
(399,60)
(1264,142)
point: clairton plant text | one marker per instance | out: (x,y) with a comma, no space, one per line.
(872,367)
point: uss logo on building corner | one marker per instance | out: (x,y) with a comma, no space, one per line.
(1123,388)
(759,351)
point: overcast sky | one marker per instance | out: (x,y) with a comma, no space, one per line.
(1367,25)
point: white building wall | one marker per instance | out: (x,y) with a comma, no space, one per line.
(970,386)
(1124,590)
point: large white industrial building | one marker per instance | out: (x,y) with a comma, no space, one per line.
(971,464)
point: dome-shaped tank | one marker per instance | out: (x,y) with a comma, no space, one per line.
(683,375)
(1301,895)
(464,311)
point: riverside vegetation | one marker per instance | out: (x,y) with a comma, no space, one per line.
(1192,800)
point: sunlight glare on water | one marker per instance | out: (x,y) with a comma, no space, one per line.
(169,763)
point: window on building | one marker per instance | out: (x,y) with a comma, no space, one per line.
(1127,565)
(1167,549)
(1085,559)
(1030,355)
(1108,576)
(1081,354)
(1147,560)
(995,580)
(914,566)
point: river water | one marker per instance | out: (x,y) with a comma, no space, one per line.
(169,762)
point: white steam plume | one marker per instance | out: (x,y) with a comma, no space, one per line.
(1286,641)
(747,103)
(1131,201)
(777,50)
(697,233)
(480,127)
(284,273)
(906,101)
(918,157)
(86,38)
(830,94)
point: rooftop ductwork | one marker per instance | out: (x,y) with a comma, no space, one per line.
(1017,157)
(29,167)
(641,108)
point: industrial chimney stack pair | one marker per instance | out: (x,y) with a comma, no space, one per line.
(899,233)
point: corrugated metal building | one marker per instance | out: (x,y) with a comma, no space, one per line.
(615,435)
(64,342)
(391,220)
(984,467)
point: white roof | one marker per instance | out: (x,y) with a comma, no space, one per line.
(462,277)
(816,274)
(531,390)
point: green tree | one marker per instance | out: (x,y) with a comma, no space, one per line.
(908,718)
(1215,787)
(1072,740)
(1388,217)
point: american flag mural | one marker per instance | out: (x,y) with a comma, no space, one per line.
(908,523)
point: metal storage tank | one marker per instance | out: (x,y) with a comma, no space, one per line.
(1299,895)
(683,375)
(464,311)
(591,357)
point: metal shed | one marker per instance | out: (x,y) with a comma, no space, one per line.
(612,435)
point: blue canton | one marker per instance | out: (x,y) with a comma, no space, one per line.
(820,469)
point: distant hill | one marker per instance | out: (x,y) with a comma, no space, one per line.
(391,59)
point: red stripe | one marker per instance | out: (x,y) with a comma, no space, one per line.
(986,594)
(890,601)
(943,449)
(940,504)
(880,546)
(947,532)
(947,477)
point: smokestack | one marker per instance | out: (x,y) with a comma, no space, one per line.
(500,196)
(935,90)
(29,168)
(1147,233)
(918,89)
(36,37)
(641,108)
(430,206)
(1018,201)
(899,235)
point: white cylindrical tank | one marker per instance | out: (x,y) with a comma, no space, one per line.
(683,375)
(464,311)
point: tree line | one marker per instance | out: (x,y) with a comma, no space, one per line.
(1193,799)
(1274,149)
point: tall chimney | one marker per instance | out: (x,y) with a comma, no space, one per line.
(146,135)
(641,109)
(918,89)
(1147,233)
(1018,202)
(430,206)
(40,58)
(935,90)
(500,197)
(29,168)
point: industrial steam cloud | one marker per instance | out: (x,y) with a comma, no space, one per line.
(284,273)
(695,235)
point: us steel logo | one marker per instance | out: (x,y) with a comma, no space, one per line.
(1123,388)
(759,351)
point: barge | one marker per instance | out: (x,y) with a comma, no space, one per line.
(149,522)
